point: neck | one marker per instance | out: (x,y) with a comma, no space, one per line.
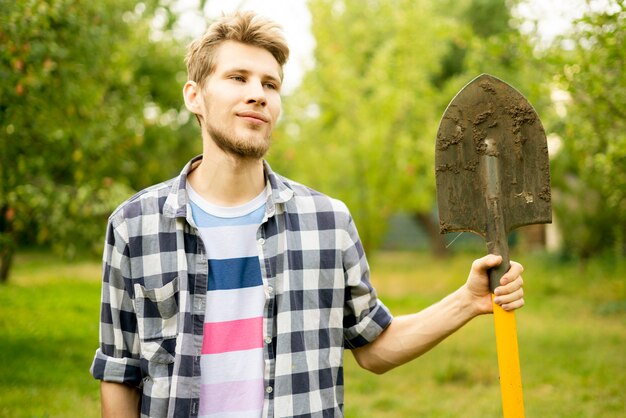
(227,180)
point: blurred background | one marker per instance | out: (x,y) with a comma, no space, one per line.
(91,111)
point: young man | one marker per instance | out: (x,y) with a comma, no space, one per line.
(231,291)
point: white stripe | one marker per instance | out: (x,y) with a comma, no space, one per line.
(232,366)
(233,304)
(230,242)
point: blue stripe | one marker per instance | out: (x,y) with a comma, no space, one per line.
(205,220)
(234,273)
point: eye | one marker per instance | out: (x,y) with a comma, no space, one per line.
(237,78)
(271,86)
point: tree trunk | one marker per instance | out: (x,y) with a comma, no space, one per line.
(7,243)
(6,260)
(430,226)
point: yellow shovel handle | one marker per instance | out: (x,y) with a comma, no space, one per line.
(508,363)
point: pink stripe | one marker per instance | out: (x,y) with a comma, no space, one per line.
(231,397)
(242,334)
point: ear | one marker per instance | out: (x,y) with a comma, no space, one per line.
(193,97)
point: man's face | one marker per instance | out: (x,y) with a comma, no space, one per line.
(241,99)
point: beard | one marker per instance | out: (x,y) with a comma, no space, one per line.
(230,143)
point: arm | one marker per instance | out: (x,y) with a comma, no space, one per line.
(119,400)
(117,358)
(410,336)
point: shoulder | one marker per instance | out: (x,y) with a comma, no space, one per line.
(315,208)
(308,198)
(149,201)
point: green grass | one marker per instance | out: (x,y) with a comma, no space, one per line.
(49,332)
(572,335)
(572,339)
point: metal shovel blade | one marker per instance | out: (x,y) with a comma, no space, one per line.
(490,123)
(493,175)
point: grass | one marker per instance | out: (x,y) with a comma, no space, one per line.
(571,333)
(571,336)
(49,331)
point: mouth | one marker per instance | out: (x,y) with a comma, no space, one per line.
(253,117)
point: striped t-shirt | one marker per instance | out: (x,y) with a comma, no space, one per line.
(232,350)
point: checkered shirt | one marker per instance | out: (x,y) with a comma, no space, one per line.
(318,299)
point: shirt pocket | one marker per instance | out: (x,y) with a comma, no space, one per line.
(157,320)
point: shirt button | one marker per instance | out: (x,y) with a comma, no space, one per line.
(268,340)
(270,289)
(269,389)
(261,241)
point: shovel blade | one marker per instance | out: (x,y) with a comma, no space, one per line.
(490,123)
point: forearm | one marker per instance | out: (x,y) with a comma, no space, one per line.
(119,400)
(410,336)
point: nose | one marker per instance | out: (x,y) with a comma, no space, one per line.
(255,94)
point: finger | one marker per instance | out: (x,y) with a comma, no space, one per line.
(513,305)
(509,288)
(508,298)
(515,270)
(487,262)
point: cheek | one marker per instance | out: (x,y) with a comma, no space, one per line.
(213,108)
(276,109)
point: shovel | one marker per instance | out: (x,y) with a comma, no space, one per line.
(493,175)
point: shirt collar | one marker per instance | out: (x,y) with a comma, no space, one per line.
(280,190)
(177,200)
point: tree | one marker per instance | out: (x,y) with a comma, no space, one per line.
(87,115)
(591,165)
(360,126)
(363,124)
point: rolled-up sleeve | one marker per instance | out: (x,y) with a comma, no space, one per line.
(117,358)
(365,316)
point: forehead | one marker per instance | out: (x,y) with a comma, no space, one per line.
(231,55)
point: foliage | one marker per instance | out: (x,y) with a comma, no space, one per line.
(362,125)
(90,111)
(78,79)
(591,165)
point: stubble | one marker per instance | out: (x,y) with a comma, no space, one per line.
(230,143)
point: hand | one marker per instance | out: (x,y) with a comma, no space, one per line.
(509,295)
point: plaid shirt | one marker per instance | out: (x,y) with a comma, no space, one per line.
(318,299)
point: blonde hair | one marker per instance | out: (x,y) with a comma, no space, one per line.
(245,27)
